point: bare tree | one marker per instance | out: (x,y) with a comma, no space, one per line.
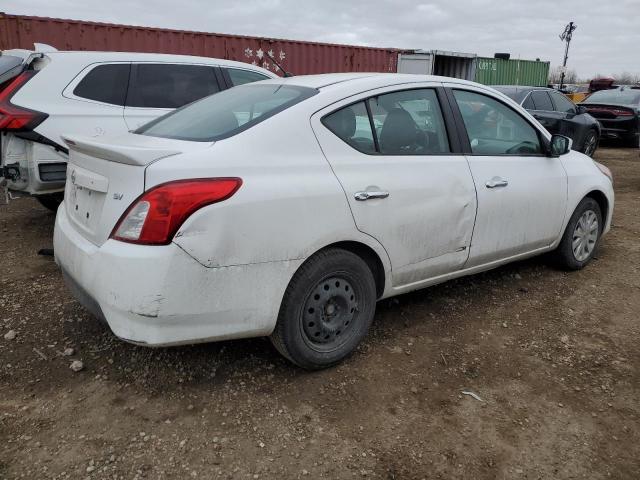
(556,72)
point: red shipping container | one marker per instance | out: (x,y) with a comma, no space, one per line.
(297,57)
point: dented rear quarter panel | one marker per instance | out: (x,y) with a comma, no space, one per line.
(289,206)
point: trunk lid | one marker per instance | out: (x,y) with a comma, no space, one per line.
(105,176)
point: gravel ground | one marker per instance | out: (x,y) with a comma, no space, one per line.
(553,357)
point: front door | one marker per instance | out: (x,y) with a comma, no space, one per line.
(405,187)
(522,193)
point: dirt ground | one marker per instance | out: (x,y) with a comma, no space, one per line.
(553,356)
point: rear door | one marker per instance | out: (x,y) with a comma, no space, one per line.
(522,193)
(396,154)
(158,88)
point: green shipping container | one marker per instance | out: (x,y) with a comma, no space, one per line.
(495,71)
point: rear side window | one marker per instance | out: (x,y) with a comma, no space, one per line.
(170,85)
(240,77)
(408,122)
(226,113)
(105,83)
(351,124)
(541,100)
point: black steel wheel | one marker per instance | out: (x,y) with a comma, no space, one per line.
(327,309)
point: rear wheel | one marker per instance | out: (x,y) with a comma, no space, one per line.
(582,235)
(50,201)
(590,144)
(327,309)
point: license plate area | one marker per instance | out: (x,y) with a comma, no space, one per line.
(84,198)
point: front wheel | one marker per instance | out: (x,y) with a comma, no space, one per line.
(327,309)
(590,143)
(582,235)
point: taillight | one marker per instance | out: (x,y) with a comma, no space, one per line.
(12,117)
(155,217)
(614,111)
(622,113)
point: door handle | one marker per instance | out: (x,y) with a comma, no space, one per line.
(365,195)
(497,182)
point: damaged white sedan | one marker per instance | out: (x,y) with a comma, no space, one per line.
(289,207)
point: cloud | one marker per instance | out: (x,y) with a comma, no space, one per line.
(606,40)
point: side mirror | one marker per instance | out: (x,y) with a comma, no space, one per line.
(580,109)
(560,145)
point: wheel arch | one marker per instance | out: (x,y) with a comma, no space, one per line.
(602,201)
(369,255)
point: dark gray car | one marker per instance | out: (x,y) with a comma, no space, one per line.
(558,114)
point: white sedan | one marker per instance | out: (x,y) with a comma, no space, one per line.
(290,206)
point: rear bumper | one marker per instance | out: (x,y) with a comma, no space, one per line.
(620,129)
(161,296)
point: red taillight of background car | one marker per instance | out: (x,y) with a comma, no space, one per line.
(611,110)
(12,117)
(155,217)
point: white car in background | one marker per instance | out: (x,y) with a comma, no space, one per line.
(46,93)
(289,207)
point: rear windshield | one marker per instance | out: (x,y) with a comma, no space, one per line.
(227,113)
(615,97)
(9,67)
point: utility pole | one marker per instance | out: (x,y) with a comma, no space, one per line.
(566,37)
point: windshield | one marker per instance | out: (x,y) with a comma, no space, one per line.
(618,96)
(10,66)
(227,113)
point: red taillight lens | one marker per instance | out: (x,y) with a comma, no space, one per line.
(16,118)
(155,217)
(614,111)
(622,113)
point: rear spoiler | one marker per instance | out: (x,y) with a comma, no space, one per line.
(127,154)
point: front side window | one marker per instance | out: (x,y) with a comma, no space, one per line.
(494,128)
(105,83)
(166,85)
(563,104)
(226,113)
(240,77)
(407,122)
(541,100)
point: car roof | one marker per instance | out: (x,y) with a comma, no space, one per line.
(519,88)
(357,81)
(98,56)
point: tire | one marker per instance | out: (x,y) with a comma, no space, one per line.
(326,311)
(51,201)
(590,144)
(586,212)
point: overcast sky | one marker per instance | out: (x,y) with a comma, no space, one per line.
(607,40)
